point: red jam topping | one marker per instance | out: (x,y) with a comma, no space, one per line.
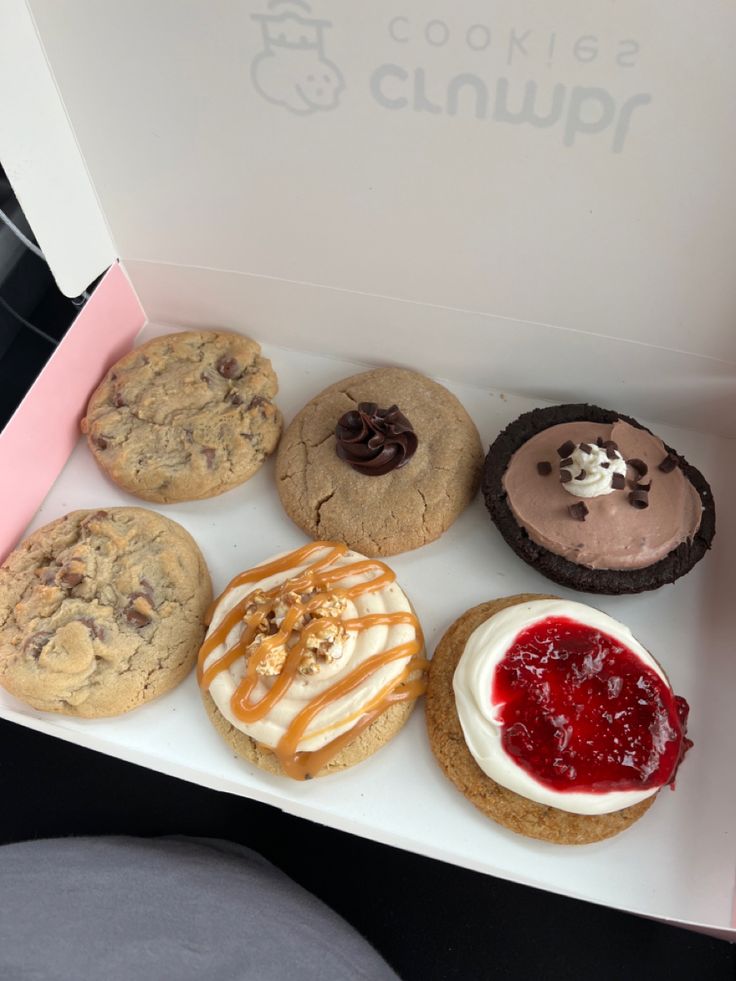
(581,712)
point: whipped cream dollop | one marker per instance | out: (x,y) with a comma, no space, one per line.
(351,649)
(591,469)
(473,684)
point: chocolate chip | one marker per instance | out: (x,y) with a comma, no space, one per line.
(599,441)
(204,377)
(618,481)
(209,454)
(228,368)
(641,468)
(544,469)
(256,401)
(581,476)
(565,476)
(136,618)
(47,576)
(668,464)
(118,400)
(100,442)
(566,448)
(605,464)
(36,643)
(586,448)
(234,398)
(96,629)
(70,579)
(578,511)
(567,462)
(639,499)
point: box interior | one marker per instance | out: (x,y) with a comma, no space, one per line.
(556,262)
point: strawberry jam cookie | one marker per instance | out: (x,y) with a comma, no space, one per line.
(101,611)
(312,661)
(596,502)
(185,416)
(385,461)
(553,719)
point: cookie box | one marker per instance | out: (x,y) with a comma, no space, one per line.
(531,205)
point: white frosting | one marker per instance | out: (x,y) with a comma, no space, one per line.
(473,684)
(330,722)
(597,479)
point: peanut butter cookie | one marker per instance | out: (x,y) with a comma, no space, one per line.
(384,461)
(184,417)
(101,611)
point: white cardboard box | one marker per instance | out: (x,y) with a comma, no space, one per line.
(511,199)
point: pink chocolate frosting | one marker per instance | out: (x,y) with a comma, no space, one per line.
(614,535)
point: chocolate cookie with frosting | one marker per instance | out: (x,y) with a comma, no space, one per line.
(595,501)
(384,461)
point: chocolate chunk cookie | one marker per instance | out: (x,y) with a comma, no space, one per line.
(185,416)
(101,611)
(384,461)
(446,738)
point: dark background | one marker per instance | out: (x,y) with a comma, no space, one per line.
(429,920)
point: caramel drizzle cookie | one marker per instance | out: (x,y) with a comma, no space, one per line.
(101,611)
(306,653)
(184,417)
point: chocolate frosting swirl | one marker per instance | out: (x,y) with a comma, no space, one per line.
(375,441)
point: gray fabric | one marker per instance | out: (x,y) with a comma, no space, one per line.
(114,909)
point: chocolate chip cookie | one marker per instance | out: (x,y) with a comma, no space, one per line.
(101,611)
(384,461)
(184,417)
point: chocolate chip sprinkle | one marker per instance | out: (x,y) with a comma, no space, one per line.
(618,481)
(567,462)
(668,464)
(641,468)
(565,476)
(639,499)
(581,476)
(578,511)
(566,448)
(586,448)
(544,468)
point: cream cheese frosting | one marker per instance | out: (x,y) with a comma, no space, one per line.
(479,714)
(614,535)
(356,648)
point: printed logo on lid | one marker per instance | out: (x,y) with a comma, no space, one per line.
(293,70)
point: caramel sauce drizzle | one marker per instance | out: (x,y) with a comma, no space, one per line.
(317,576)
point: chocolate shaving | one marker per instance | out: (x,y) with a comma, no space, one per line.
(611,453)
(566,448)
(567,462)
(581,476)
(599,441)
(586,448)
(565,476)
(668,464)
(644,487)
(610,445)
(578,511)
(618,481)
(639,499)
(605,464)
(544,469)
(641,468)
